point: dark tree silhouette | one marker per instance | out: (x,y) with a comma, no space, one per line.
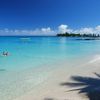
(88,85)
(66,34)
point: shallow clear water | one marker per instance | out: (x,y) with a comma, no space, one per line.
(31,59)
(28,52)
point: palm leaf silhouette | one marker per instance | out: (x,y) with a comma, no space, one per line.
(88,85)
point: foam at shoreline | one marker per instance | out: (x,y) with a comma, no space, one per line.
(95,59)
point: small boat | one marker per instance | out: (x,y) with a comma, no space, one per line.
(25,38)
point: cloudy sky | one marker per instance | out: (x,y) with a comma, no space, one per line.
(48,17)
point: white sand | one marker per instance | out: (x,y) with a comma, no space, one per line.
(51,88)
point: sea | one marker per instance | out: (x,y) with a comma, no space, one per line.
(31,60)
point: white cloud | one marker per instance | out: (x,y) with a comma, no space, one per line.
(42,31)
(64,28)
(86,31)
(48,31)
(97,29)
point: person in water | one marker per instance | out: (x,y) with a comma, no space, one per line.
(5,53)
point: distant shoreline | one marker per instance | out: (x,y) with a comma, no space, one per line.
(78,35)
(59,35)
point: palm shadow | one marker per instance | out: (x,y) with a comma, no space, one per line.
(48,99)
(87,85)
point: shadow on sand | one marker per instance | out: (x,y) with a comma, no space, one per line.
(87,85)
(48,99)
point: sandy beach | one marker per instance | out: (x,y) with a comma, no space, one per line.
(52,89)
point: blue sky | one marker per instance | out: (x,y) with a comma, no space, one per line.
(48,15)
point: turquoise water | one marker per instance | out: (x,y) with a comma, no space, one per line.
(31,58)
(34,51)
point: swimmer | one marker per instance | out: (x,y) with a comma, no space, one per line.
(5,53)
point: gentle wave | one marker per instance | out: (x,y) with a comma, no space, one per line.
(95,59)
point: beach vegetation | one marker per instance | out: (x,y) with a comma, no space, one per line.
(77,35)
